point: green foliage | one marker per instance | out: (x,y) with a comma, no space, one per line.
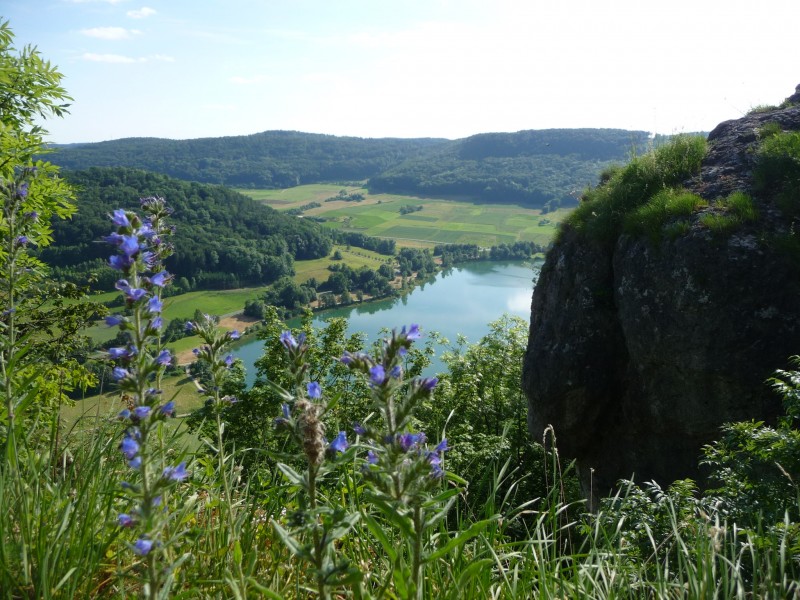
(738,209)
(603,210)
(662,213)
(769,129)
(532,168)
(777,172)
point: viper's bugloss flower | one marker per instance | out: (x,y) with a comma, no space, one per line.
(189,327)
(178,473)
(129,447)
(118,373)
(229,360)
(407,441)
(287,339)
(22,240)
(160,279)
(413,332)
(141,412)
(285,410)
(135,463)
(377,375)
(32,215)
(124,414)
(157,323)
(118,262)
(118,353)
(125,520)
(114,320)
(396,372)
(339,444)
(234,335)
(442,446)
(120,218)
(314,390)
(135,294)
(154,305)
(428,383)
(359,428)
(164,358)
(168,410)
(142,546)
(372,458)
(129,245)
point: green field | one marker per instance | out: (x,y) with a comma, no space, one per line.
(439,222)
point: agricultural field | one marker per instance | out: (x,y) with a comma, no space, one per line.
(438,222)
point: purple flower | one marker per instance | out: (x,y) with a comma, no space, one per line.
(396,371)
(154,305)
(377,375)
(142,546)
(234,335)
(372,458)
(22,240)
(119,373)
(160,279)
(196,351)
(157,323)
(32,215)
(442,446)
(178,473)
(410,440)
(314,390)
(359,428)
(141,412)
(129,447)
(339,444)
(229,360)
(119,262)
(124,414)
(114,320)
(285,410)
(189,327)
(120,218)
(168,410)
(164,358)
(287,339)
(114,239)
(135,294)
(117,353)
(22,189)
(428,383)
(402,351)
(347,359)
(135,463)
(413,332)
(129,245)
(125,520)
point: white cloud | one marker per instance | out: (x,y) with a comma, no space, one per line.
(141,13)
(107,58)
(106,1)
(110,33)
(120,59)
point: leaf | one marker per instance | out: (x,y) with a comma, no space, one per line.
(461,538)
(291,474)
(292,544)
(381,536)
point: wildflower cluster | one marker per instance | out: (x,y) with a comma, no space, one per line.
(317,524)
(141,247)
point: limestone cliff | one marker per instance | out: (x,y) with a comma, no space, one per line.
(640,348)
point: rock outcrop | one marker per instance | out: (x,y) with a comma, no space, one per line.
(639,351)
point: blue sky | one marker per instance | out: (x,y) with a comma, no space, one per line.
(407,68)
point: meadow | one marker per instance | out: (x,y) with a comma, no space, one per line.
(441,221)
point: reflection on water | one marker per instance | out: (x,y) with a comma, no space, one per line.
(461,301)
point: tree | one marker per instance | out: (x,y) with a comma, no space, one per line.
(36,371)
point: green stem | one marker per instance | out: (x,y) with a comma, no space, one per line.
(416,569)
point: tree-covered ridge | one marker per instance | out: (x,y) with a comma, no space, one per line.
(223,238)
(271,159)
(545,168)
(537,167)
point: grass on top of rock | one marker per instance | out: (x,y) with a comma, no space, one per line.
(603,209)
(665,213)
(777,172)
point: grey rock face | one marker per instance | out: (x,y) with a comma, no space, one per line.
(637,354)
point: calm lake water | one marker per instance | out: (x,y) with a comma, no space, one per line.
(464,299)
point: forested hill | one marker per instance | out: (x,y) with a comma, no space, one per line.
(547,168)
(538,167)
(272,159)
(223,238)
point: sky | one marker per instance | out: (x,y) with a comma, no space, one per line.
(185,69)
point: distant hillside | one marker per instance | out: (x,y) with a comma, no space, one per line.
(549,167)
(272,159)
(535,168)
(223,239)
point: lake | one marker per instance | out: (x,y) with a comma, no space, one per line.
(464,299)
